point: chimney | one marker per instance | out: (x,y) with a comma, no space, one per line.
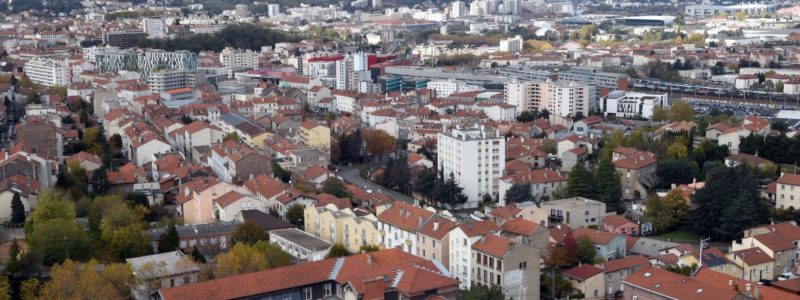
(483,239)
(374,287)
(420,220)
(408,214)
(757,294)
(401,211)
(435,225)
(369,259)
(747,287)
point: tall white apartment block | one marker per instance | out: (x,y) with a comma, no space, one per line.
(567,98)
(238,58)
(476,158)
(273,10)
(522,94)
(164,80)
(48,72)
(511,45)
(154,27)
(344,72)
(457,9)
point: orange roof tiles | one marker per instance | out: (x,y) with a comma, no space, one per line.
(494,245)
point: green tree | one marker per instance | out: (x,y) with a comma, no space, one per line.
(130,241)
(250,233)
(33,98)
(244,258)
(668,211)
(17,209)
(100,180)
(607,184)
(51,205)
(683,269)
(677,151)
(281,174)
(586,251)
(294,214)
(482,292)
(169,240)
(729,203)
(681,111)
(57,239)
(233,136)
(196,256)
(369,248)
(337,250)
(519,192)
(14,251)
(335,187)
(580,182)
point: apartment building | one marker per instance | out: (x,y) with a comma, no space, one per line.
(342,226)
(563,98)
(433,239)
(154,27)
(543,183)
(511,45)
(637,171)
(48,72)
(399,223)
(160,81)
(778,241)
(144,62)
(123,38)
(497,259)
(787,191)
(461,239)
(315,135)
(460,148)
(238,59)
(445,88)
(575,212)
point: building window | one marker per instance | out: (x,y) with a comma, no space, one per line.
(327,290)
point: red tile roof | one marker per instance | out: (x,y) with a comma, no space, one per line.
(583,272)
(625,263)
(725,281)
(405,216)
(520,226)
(494,245)
(676,286)
(752,256)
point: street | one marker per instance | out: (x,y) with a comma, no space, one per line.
(350,174)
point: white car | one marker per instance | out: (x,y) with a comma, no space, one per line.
(786,276)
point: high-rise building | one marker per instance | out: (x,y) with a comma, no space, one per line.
(48,72)
(457,9)
(273,10)
(238,58)
(154,27)
(377,3)
(242,10)
(512,7)
(562,98)
(511,45)
(475,157)
(164,80)
(344,71)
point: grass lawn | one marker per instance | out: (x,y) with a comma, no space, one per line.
(678,236)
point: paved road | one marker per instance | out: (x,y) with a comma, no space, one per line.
(350,174)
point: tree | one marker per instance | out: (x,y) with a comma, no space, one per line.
(677,151)
(549,146)
(378,142)
(335,187)
(397,175)
(58,239)
(526,116)
(779,87)
(170,240)
(729,203)
(607,184)
(682,269)
(72,280)
(100,180)
(681,111)
(586,251)
(580,182)
(5,288)
(337,250)
(17,209)
(233,136)
(279,173)
(668,211)
(33,98)
(196,256)
(250,233)
(369,248)
(681,171)
(51,205)
(29,289)
(244,258)
(482,292)
(519,192)
(14,252)
(294,214)
(130,241)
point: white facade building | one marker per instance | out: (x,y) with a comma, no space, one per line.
(238,58)
(632,104)
(511,45)
(154,27)
(165,80)
(458,152)
(445,88)
(48,72)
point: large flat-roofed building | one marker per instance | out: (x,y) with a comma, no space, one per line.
(145,62)
(123,39)
(575,212)
(48,72)
(647,20)
(751,9)
(300,244)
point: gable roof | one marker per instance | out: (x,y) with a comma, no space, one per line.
(625,263)
(583,272)
(494,245)
(404,215)
(676,286)
(520,226)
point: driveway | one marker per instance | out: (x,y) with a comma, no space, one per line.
(351,175)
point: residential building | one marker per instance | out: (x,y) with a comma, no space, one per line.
(458,152)
(575,212)
(232,161)
(658,284)
(543,183)
(733,134)
(497,259)
(779,241)
(618,270)
(48,72)
(238,59)
(461,239)
(444,88)
(315,135)
(620,225)
(162,270)
(160,81)
(299,244)
(342,226)
(637,171)
(154,27)
(123,38)
(587,279)
(708,10)
(756,265)
(608,245)
(526,232)
(144,62)
(511,45)
(562,98)
(196,199)
(40,136)
(787,191)
(399,223)
(386,274)
(433,239)
(28,190)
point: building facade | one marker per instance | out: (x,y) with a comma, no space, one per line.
(460,149)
